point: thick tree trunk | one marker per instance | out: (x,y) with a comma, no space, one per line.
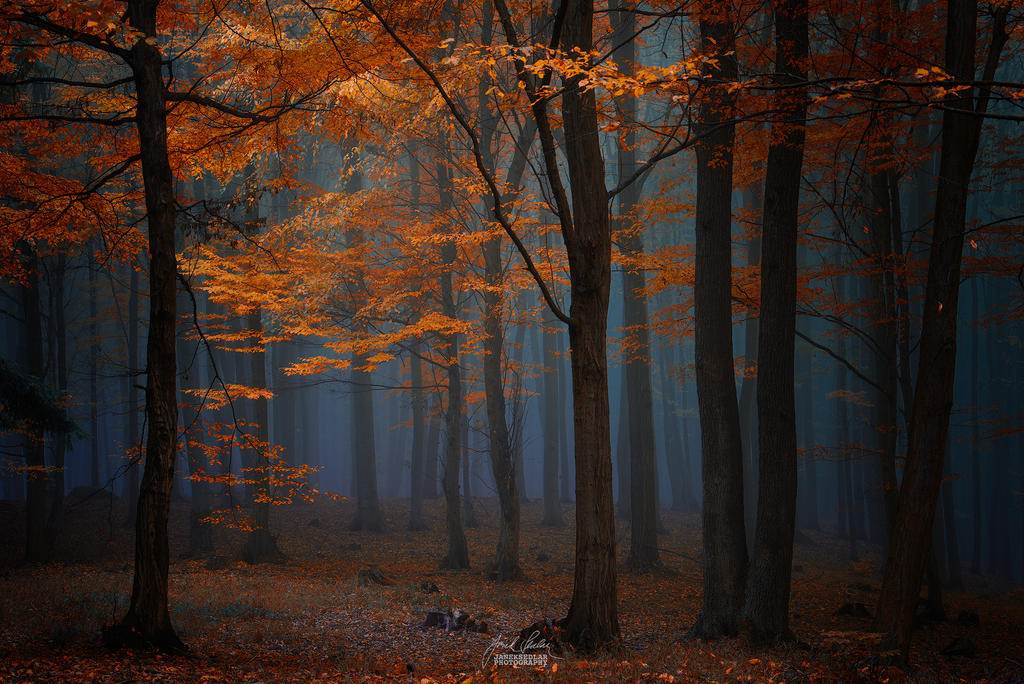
(593,613)
(35,454)
(933,393)
(147,621)
(725,548)
(767,608)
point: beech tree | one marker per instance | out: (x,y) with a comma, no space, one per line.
(964,107)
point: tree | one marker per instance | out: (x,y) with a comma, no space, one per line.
(767,596)
(643,541)
(725,548)
(963,112)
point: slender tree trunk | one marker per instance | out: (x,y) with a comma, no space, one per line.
(748,394)
(131,435)
(59,345)
(884,334)
(148,621)
(593,613)
(468,512)
(430,461)
(565,413)
(94,351)
(933,394)
(643,499)
(260,546)
(506,561)
(457,556)
(976,489)
(416,484)
(364,449)
(36,550)
(725,548)
(551,406)
(200,538)
(624,506)
(953,566)
(807,487)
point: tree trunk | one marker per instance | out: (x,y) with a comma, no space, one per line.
(416,484)
(260,547)
(457,556)
(807,486)
(643,544)
(551,406)
(565,412)
(624,508)
(35,453)
(725,548)
(59,344)
(506,561)
(147,621)
(94,355)
(430,460)
(364,449)
(748,392)
(767,608)
(933,393)
(200,538)
(468,512)
(975,441)
(131,435)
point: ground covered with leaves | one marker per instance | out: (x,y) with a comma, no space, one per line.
(313,619)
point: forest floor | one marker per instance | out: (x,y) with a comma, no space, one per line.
(308,620)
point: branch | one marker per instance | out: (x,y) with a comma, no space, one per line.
(853,369)
(497,209)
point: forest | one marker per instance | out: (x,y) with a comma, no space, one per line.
(518,340)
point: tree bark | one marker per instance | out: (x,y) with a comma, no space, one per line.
(457,556)
(364,449)
(131,435)
(933,393)
(94,351)
(148,621)
(725,548)
(260,547)
(767,609)
(36,550)
(643,544)
(58,343)
(593,613)
(550,406)
(417,458)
